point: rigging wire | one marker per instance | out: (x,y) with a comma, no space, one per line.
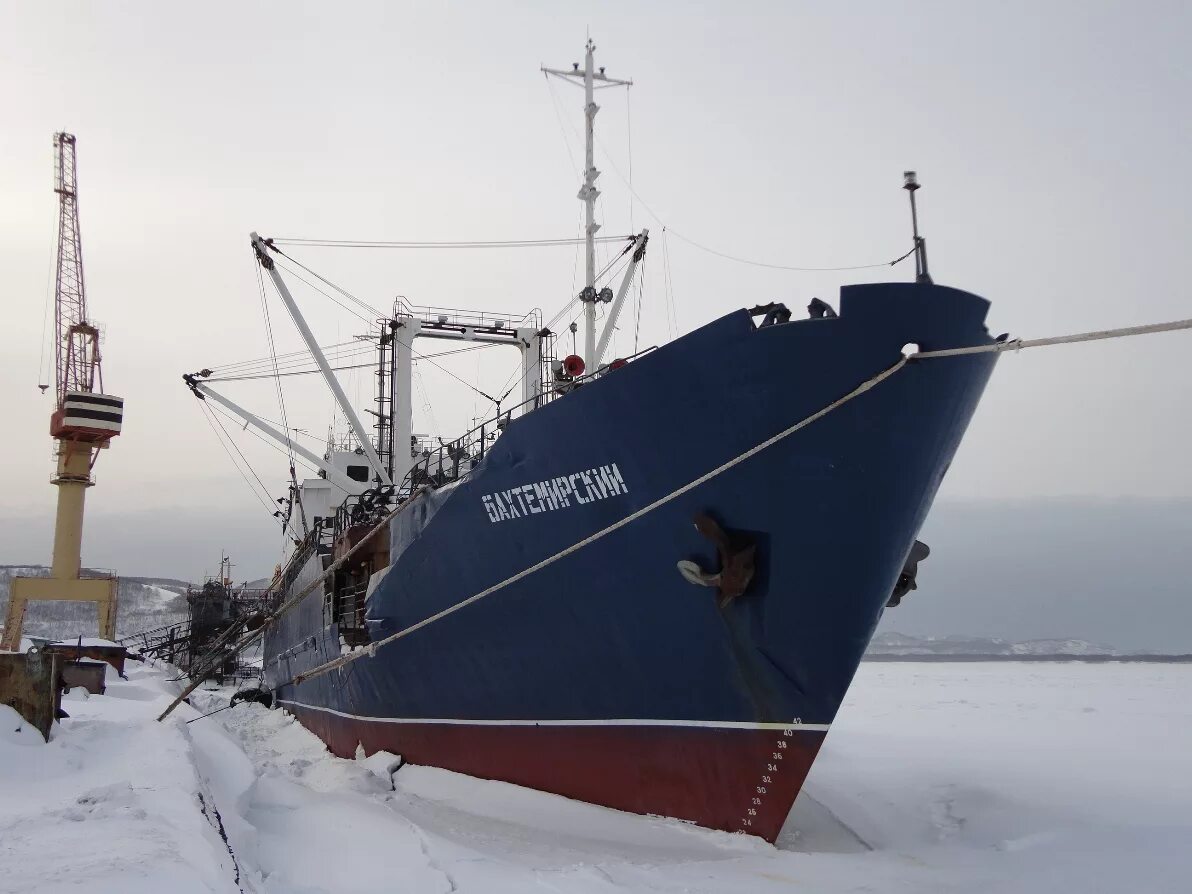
(747,261)
(211,421)
(294,368)
(474,243)
(297,362)
(301,364)
(368,307)
(573,303)
(629,142)
(426,405)
(672,320)
(300,360)
(302,351)
(599,276)
(579,228)
(637,323)
(328,295)
(474,395)
(513,376)
(271,444)
(278,425)
(315,369)
(554,101)
(416,354)
(752,263)
(43,370)
(281,400)
(449,372)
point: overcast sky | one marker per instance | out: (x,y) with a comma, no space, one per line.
(1053,142)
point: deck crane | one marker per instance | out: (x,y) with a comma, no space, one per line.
(83,422)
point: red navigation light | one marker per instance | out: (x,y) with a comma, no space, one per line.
(573,365)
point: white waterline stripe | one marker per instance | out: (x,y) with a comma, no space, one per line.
(713,724)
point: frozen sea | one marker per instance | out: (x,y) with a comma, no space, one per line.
(935,777)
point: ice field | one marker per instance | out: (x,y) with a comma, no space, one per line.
(935,777)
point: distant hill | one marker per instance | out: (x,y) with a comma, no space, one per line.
(891,646)
(890,643)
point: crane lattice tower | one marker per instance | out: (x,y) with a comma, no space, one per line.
(83,422)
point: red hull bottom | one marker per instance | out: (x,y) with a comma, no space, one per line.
(736,780)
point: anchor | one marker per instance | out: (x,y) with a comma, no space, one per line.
(736,562)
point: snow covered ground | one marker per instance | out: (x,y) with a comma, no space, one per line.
(936,777)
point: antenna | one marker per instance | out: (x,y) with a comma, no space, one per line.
(911,184)
(588,193)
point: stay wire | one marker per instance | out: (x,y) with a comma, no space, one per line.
(297,359)
(43,371)
(284,366)
(629,142)
(268,443)
(599,276)
(281,399)
(208,416)
(265,360)
(448,372)
(399,244)
(291,359)
(376,314)
(243,458)
(366,319)
(554,101)
(315,369)
(637,323)
(672,321)
(752,263)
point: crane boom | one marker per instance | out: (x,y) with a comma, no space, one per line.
(77,340)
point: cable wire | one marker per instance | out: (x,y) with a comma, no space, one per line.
(265,360)
(478,243)
(316,369)
(270,444)
(326,294)
(368,307)
(752,263)
(212,422)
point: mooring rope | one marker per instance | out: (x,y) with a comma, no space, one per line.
(1016,344)
(371,649)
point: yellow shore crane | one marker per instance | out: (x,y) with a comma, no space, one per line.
(83,422)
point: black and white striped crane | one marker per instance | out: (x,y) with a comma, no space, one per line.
(83,422)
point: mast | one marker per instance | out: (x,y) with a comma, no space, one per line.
(588,193)
(911,185)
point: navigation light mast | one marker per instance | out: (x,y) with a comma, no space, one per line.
(588,76)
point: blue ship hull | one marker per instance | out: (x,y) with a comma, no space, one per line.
(608,676)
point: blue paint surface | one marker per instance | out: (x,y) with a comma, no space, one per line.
(614,631)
